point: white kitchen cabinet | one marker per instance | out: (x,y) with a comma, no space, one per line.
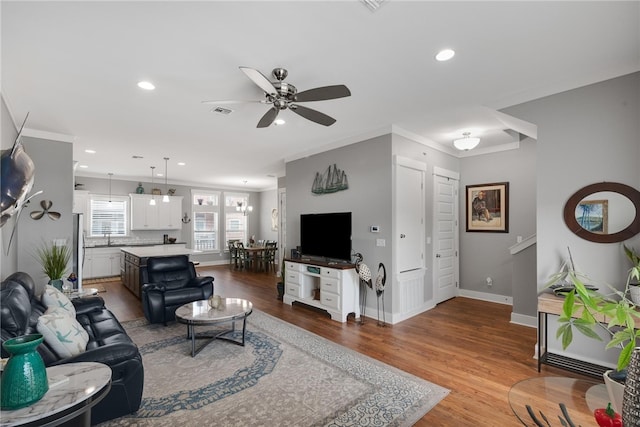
(101,262)
(80,201)
(161,216)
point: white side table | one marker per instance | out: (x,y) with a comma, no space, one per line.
(85,385)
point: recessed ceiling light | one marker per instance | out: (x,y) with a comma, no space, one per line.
(181,163)
(84,166)
(137,157)
(90,151)
(146,85)
(445,55)
(279,122)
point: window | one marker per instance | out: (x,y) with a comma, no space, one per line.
(235,222)
(206,211)
(107,217)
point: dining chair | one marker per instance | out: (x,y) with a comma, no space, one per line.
(244,259)
(233,253)
(268,259)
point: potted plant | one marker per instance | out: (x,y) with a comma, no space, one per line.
(54,260)
(583,307)
(634,280)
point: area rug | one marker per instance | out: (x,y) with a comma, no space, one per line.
(284,376)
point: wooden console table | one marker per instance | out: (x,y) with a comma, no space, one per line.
(548,303)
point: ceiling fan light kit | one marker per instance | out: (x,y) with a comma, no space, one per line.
(283,95)
(467,142)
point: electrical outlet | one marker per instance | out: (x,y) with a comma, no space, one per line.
(489,281)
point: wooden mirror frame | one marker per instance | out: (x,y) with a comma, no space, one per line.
(570,208)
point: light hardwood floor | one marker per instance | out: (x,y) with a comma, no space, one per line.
(465,345)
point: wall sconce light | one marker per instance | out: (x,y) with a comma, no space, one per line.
(186,219)
(466,143)
(244,208)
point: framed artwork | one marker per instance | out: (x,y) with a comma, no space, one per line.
(487,207)
(593,215)
(274,219)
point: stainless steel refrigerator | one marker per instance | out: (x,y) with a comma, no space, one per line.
(78,248)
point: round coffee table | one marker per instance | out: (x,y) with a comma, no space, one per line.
(199,313)
(542,397)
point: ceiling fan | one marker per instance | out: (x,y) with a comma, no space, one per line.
(282,95)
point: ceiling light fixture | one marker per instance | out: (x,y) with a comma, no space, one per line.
(146,85)
(242,207)
(445,55)
(84,166)
(110,175)
(467,142)
(152,202)
(90,151)
(279,122)
(165,198)
(181,163)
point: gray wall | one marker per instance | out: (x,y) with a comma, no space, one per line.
(368,168)
(483,254)
(53,162)
(268,202)
(585,136)
(8,259)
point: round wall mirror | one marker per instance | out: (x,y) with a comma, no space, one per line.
(606,212)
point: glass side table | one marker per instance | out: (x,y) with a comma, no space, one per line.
(545,394)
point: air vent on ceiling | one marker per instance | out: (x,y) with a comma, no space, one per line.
(221,110)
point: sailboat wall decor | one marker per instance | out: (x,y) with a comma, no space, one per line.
(331,181)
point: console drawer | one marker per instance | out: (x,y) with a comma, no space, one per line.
(330,285)
(331,272)
(292,266)
(293,290)
(329,299)
(292,277)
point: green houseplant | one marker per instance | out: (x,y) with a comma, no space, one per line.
(54,259)
(583,306)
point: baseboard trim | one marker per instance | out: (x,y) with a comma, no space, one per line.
(484,296)
(524,320)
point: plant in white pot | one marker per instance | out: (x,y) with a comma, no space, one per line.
(585,310)
(54,259)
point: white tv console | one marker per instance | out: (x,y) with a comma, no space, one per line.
(339,290)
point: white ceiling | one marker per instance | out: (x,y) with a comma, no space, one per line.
(74,67)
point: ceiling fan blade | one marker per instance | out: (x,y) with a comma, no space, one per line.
(323,93)
(258,78)
(268,118)
(232,101)
(54,215)
(313,115)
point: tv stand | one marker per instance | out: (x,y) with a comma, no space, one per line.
(339,292)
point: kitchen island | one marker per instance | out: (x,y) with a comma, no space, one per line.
(134,261)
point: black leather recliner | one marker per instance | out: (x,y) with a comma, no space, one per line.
(108,343)
(171,282)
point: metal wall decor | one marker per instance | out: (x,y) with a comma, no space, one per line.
(46,206)
(331,181)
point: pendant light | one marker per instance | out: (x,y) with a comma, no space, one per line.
(110,175)
(152,202)
(466,142)
(165,198)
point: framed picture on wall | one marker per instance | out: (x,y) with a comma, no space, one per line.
(487,207)
(593,215)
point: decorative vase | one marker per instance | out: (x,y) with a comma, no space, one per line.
(215,301)
(24,380)
(280,288)
(56,283)
(631,399)
(634,294)
(140,189)
(615,391)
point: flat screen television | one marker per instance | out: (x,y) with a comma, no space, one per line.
(326,235)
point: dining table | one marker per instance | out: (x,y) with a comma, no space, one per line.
(254,252)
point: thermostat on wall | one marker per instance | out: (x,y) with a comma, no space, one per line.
(374,229)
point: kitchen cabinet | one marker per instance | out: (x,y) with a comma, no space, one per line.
(161,216)
(101,262)
(80,201)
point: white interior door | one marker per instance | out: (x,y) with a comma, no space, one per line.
(445,264)
(409,217)
(282,225)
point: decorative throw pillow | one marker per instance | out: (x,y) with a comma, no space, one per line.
(62,332)
(53,298)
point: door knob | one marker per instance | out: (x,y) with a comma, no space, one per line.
(402,236)
(437,255)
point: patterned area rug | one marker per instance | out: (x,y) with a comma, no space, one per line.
(283,376)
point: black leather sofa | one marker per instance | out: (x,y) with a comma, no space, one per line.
(108,343)
(170,282)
